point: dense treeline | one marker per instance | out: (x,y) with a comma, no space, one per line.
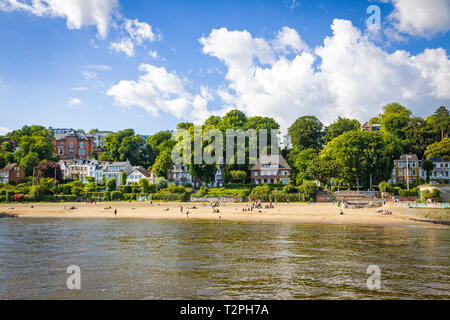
(340,153)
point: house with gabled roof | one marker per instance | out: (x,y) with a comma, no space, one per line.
(271,169)
(11,173)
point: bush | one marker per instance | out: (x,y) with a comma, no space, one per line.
(2,198)
(384,186)
(167,196)
(116,196)
(240,185)
(126,189)
(9,196)
(222,192)
(433,195)
(176,189)
(36,192)
(129,196)
(308,191)
(261,193)
(94,196)
(161,183)
(65,198)
(409,193)
(290,188)
(64,188)
(281,196)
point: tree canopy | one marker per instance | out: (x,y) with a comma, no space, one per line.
(306,132)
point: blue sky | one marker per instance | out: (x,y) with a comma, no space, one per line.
(55,73)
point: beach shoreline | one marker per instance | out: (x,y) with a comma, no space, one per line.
(231,212)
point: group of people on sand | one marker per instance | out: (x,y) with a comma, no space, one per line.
(385,212)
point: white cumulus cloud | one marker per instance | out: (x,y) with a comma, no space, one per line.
(421,18)
(348,75)
(136,33)
(78,13)
(158,90)
(74,102)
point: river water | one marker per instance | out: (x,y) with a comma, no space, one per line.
(146,259)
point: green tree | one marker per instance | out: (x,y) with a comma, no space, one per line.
(234,119)
(32,150)
(428,166)
(442,121)
(383,186)
(163,164)
(358,155)
(123,178)
(144,185)
(111,184)
(212,121)
(339,127)
(185,125)
(303,162)
(418,135)
(306,132)
(308,191)
(238,175)
(394,119)
(161,183)
(125,145)
(439,149)
(48,169)
(28,162)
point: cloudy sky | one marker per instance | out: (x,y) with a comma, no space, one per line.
(147,65)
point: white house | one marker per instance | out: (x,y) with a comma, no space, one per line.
(137,175)
(115,169)
(441,172)
(410,167)
(180,175)
(81,169)
(217,181)
(99,138)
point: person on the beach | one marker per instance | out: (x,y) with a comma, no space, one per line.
(115,212)
(187,214)
(341,212)
(181,209)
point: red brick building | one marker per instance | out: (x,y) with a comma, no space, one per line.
(12,172)
(74,145)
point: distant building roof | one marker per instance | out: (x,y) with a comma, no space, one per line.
(9,167)
(272,159)
(409,157)
(78,134)
(371,127)
(144,172)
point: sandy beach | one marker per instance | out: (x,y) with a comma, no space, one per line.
(282,213)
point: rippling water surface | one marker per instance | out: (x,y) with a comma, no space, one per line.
(145,259)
